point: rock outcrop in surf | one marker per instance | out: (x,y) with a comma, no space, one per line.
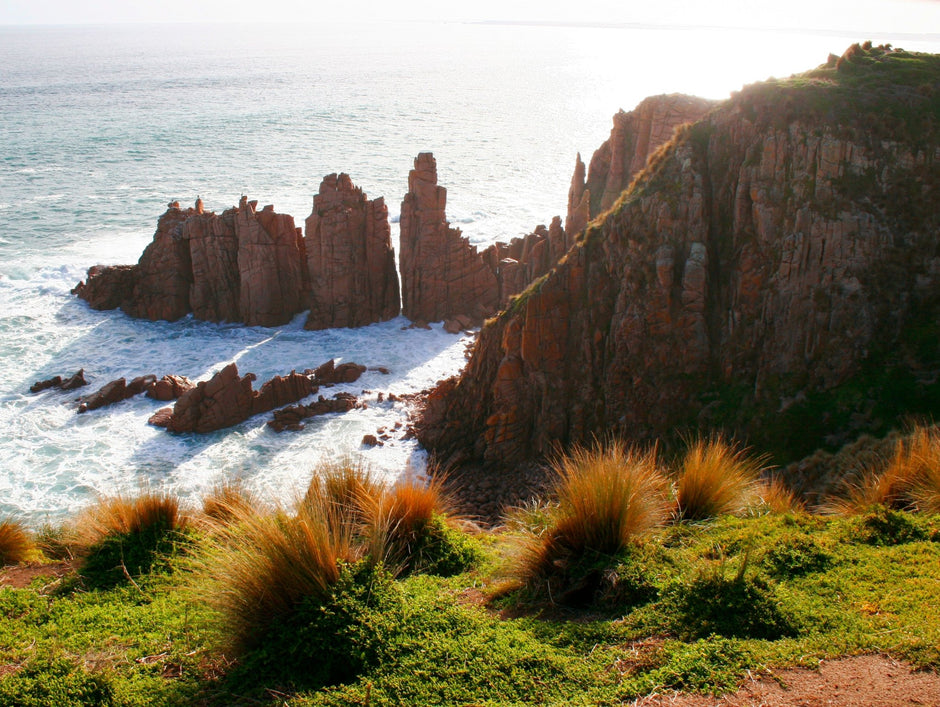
(350,259)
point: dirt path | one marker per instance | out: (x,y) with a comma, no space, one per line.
(863,681)
(20,576)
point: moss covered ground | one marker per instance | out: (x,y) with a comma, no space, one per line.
(690,607)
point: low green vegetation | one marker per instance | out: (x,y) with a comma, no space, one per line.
(368,594)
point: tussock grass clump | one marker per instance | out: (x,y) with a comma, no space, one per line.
(343,492)
(122,536)
(606,497)
(909,480)
(227,501)
(775,497)
(409,528)
(15,542)
(264,566)
(715,478)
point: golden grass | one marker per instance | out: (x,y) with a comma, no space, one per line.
(227,501)
(266,564)
(606,497)
(909,480)
(15,542)
(397,519)
(124,515)
(342,492)
(715,478)
(777,498)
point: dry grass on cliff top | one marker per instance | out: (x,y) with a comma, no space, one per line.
(908,480)
(15,542)
(716,478)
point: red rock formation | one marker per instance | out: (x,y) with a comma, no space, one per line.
(242,266)
(115,392)
(442,275)
(526,259)
(771,275)
(215,294)
(107,286)
(169,387)
(164,271)
(579,200)
(271,265)
(76,380)
(227,399)
(291,417)
(634,138)
(350,259)
(329,373)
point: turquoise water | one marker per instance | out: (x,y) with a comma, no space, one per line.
(102,126)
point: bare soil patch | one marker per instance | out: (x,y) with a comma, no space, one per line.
(21,576)
(862,681)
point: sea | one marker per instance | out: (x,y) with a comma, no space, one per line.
(102,126)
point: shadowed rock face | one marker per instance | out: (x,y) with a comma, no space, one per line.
(350,258)
(241,266)
(774,274)
(442,275)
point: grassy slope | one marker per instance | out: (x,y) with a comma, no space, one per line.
(435,641)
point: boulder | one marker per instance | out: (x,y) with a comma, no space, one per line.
(76,380)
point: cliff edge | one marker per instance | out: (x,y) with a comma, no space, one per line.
(773,272)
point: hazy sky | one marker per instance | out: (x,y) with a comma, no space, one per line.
(912,16)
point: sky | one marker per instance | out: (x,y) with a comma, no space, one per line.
(896,16)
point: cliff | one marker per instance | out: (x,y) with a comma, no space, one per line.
(774,272)
(350,258)
(634,137)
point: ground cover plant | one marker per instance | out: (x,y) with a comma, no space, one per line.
(299,612)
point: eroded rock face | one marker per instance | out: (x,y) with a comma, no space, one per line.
(243,266)
(271,265)
(350,259)
(442,275)
(769,277)
(170,387)
(634,138)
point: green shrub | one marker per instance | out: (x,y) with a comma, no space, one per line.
(329,641)
(883,526)
(48,681)
(712,665)
(738,607)
(794,556)
(125,537)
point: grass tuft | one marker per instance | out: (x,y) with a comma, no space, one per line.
(15,542)
(715,478)
(606,498)
(260,569)
(121,536)
(909,480)
(777,498)
(228,501)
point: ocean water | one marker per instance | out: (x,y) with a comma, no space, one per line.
(102,126)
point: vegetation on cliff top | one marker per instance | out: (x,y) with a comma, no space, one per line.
(648,602)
